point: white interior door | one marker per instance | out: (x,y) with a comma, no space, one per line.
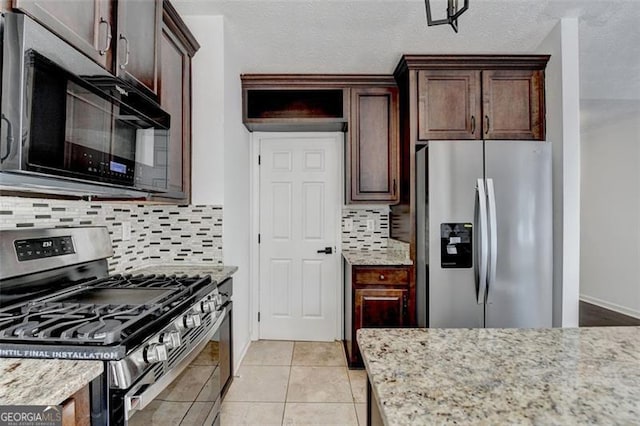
(300,200)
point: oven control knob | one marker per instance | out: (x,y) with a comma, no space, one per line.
(207,306)
(192,320)
(171,339)
(155,352)
(219,299)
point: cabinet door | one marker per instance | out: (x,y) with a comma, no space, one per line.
(175,75)
(138,42)
(76,410)
(449,105)
(85,24)
(380,307)
(513,104)
(372,175)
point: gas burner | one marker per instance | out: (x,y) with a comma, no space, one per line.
(102,330)
(23,329)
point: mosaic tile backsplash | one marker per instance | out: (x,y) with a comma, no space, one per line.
(359,237)
(159,233)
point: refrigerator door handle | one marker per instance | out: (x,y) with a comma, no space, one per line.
(482,245)
(493,238)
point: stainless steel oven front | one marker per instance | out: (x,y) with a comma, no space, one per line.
(139,394)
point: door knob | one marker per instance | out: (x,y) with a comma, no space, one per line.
(326,250)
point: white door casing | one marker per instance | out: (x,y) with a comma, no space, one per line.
(300,203)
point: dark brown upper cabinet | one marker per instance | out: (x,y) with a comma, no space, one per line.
(513,104)
(177,47)
(294,102)
(478,96)
(449,105)
(366,107)
(87,25)
(372,171)
(138,42)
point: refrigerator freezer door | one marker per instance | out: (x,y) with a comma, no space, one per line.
(520,295)
(453,169)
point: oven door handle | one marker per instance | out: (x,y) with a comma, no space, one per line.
(138,401)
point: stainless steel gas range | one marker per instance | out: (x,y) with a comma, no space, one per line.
(58,301)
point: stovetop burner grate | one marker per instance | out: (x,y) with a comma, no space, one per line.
(102,312)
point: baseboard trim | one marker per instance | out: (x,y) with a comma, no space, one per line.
(243,353)
(612,306)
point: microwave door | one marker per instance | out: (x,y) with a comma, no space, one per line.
(88,132)
(139,146)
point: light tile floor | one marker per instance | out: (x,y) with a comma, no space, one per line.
(295,383)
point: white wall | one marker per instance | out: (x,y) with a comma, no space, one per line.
(236,219)
(610,217)
(220,171)
(207,160)
(563,130)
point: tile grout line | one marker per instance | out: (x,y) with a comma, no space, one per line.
(286,395)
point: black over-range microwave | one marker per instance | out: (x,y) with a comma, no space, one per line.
(68,126)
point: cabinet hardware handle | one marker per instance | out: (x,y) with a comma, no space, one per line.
(394,187)
(107,45)
(126,58)
(381,277)
(487,129)
(473,124)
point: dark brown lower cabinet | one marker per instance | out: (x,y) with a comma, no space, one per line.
(76,410)
(375,297)
(380,308)
(374,418)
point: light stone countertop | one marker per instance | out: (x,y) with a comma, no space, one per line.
(43,381)
(504,376)
(218,273)
(376,257)
(396,253)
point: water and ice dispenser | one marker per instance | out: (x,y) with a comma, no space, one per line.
(456,245)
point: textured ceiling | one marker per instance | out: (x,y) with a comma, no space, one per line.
(369,36)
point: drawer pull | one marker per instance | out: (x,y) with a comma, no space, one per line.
(381,277)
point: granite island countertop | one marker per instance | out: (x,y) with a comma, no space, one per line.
(504,376)
(218,273)
(43,381)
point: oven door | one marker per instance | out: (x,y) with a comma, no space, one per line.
(141,394)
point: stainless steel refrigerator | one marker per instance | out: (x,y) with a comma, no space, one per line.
(484,234)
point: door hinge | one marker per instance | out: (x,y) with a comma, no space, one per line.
(258,238)
(258,316)
(259,159)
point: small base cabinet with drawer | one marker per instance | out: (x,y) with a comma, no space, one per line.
(375,296)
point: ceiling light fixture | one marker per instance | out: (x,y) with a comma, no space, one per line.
(452,14)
